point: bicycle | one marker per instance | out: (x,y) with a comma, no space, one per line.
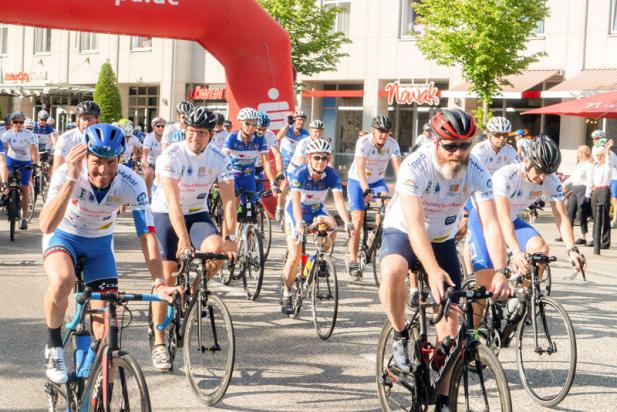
(370,242)
(41,177)
(202,326)
(543,331)
(477,382)
(263,222)
(103,376)
(530,214)
(251,261)
(317,280)
(12,201)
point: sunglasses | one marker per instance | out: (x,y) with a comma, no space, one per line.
(17,122)
(250,124)
(453,147)
(159,125)
(318,158)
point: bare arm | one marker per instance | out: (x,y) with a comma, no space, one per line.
(266,162)
(563,223)
(507,229)
(278,159)
(35,154)
(396,165)
(4,172)
(152,255)
(339,202)
(282,132)
(361,169)
(176,217)
(296,197)
(228,197)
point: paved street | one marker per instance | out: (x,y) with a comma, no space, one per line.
(281,364)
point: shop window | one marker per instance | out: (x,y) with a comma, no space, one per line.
(614,16)
(143,105)
(408,24)
(42,40)
(141,43)
(4,37)
(87,42)
(341,24)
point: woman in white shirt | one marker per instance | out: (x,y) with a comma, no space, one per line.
(601,195)
(580,184)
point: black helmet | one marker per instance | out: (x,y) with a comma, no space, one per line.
(7,119)
(185,108)
(453,124)
(201,118)
(227,123)
(220,119)
(88,108)
(382,122)
(544,154)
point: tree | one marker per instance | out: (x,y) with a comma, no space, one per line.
(314,47)
(107,95)
(486,38)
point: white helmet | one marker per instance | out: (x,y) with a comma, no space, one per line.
(51,121)
(319,146)
(127,129)
(598,134)
(247,113)
(43,115)
(499,125)
(29,124)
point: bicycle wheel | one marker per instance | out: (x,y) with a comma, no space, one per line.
(44,186)
(127,389)
(324,296)
(57,400)
(31,203)
(265,228)
(547,370)
(13,212)
(253,270)
(546,280)
(209,349)
(487,387)
(375,257)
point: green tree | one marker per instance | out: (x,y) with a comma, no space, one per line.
(107,95)
(487,38)
(314,47)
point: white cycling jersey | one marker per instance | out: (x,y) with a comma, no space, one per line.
(271,141)
(169,131)
(219,138)
(154,148)
(66,142)
(18,144)
(522,145)
(442,199)
(195,174)
(494,161)
(131,143)
(85,216)
(376,160)
(510,182)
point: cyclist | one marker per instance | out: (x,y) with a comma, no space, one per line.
(316,128)
(88,114)
(175,131)
(152,150)
(46,136)
(366,177)
(289,136)
(424,138)
(22,150)
(495,152)
(309,187)
(4,172)
(78,220)
(220,134)
(139,133)
(516,187)
(522,142)
(228,125)
(133,145)
(432,187)
(263,122)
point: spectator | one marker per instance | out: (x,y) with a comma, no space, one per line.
(601,195)
(579,184)
(425,137)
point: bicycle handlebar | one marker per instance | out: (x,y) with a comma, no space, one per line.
(540,258)
(451,294)
(187,257)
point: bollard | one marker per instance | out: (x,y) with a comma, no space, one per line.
(598,224)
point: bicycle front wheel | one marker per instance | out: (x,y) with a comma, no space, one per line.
(126,386)
(487,387)
(253,270)
(13,212)
(265,228)
(376,247)
(209,349)
(324,296)
(31,203)
(546,356)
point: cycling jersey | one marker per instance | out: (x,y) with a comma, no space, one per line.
(313,193)
(43,135)
(289,142)
(175,137)
(522,145)
(376,160)
(219,138)
(494,161)
(18,144)
(271,142)
(510,182)
(154,148)
(66,142)
(169,131)
(442,199)
(87,217)
(244,155)
(195,174)
(131,143)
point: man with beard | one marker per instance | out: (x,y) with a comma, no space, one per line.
(432,187)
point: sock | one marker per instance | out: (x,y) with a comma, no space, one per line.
(286,293)
(404,334)
(54,338)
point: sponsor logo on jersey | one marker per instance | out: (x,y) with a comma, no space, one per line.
(454,188)
(195,209)
(105,226)
(202,195)
(535,193)
(437,188)
(127,176)
(142,198)
(450,220)
(489,183)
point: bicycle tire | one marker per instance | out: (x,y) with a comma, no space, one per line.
(265,228)
(546,282)
(44,186)
(527,378)
(324,292)
(57,394)
(375,256)
(31,203)
(13,212)
(253,270)
(122,362)
(221,318)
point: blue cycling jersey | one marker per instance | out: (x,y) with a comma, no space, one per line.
(244,155)
(43,136)
(313,192)
(288,144)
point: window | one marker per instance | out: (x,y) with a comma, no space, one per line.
(341,23)
(143,105)
(4,37)
(408,24)
(539,29)
(87,42)
(141,43)
(614,16)
(42,40)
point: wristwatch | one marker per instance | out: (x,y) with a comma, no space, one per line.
(231,237)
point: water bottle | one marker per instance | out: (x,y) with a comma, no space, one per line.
(440,354)
(82,344)
(249,210)
(307,267)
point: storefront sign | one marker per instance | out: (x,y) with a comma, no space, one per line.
(25,77)
(411,93)
(202,93)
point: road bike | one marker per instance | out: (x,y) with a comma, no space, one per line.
(40,177)
(202,326)
(12,200)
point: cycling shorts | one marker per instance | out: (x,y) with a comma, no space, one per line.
(13,164)
(613,188)
(309,213)
(477,244)
(199,226)
(355,194)
(247,183)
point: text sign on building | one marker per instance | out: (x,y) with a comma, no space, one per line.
(412,93)
(202,93)
(25,77)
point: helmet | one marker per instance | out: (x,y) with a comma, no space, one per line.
(382,122)
(316,124)
(127,128)
(247,113)
(138,128)
(220,119)
(521,132)
(299,114)
(499,125)
(453,124)
(319,146)
(7,119)
(227,123)
(543,154)
(201,118)
(88,108)
(426,126)
(157,120)
(70,126)
(598,134)
(104,140)
(185,108)
(18,116)
(51,121)
(43,115)
(29,124)
(263,120)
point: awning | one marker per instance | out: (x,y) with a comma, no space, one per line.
(597,106)
(521,83)
(51,90)
(586,83)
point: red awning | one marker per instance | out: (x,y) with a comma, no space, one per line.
(597,106)
(521,83)
(585,83)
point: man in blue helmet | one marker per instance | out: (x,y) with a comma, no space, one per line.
(78,220)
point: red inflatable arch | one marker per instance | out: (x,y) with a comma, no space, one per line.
(254,49)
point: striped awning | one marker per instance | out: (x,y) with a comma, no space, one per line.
(521,85)
(586,83)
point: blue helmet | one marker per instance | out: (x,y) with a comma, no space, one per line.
(263,120)
(104,140)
